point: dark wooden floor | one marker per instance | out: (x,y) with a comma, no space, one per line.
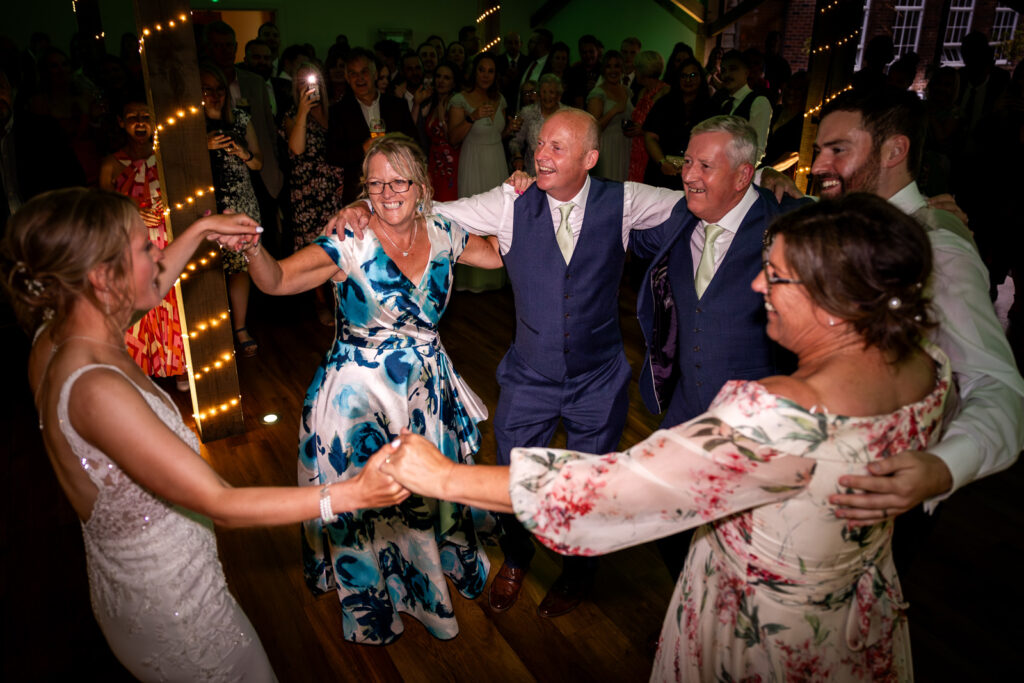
(965,590)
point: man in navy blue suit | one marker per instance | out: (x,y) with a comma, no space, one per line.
(703,323)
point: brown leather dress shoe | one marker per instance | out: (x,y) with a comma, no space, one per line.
(505,588)
(563,597)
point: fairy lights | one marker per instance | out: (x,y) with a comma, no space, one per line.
(815,110)
(159,28)
(829,7)
(488,13)
(491,44)
(214,410)
(191,199)
(838,43)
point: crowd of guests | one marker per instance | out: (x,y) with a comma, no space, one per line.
(842,323)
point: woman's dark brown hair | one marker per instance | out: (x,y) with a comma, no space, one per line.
(865,261)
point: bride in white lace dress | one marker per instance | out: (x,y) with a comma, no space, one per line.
(78,264)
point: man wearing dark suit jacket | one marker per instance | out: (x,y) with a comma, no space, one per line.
(703,323)
(510,65)
(349,126)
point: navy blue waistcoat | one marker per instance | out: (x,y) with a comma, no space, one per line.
(567,316)
(695,346)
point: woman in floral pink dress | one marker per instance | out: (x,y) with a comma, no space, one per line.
(154,342)
(776,587)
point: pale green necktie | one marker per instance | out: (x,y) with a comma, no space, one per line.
(564,233)
(706,267)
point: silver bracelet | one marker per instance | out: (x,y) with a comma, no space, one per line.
(326,511)
(255,250)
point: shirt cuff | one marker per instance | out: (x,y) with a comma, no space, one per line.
(959,453)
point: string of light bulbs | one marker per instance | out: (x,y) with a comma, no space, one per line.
(816,109)
(158,28)
(829,7)
(488,13)
(491,44)
(838,43)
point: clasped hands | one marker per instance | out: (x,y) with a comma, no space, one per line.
(416,464)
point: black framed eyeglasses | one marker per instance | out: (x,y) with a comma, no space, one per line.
(772,279)
(398,185)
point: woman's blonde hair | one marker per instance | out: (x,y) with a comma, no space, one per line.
(52,244)
(406,157)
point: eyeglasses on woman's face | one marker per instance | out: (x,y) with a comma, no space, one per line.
(398,185)
(772,278)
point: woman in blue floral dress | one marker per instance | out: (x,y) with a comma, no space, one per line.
(387,370)
(779,584)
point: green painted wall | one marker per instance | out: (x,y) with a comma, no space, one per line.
(319,21)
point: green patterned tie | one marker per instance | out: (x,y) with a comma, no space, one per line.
(564,233)
(706,268)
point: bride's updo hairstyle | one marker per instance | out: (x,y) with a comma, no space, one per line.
(54,241)
(866,262)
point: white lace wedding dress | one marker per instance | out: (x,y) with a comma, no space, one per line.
(157,586)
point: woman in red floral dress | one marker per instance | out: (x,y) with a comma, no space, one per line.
(155,341)
(443,157)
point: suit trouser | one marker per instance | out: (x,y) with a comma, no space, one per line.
(592,407)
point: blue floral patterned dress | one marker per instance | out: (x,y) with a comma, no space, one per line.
(386,370)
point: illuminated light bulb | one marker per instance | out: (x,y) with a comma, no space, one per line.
(191,266)
(214,323)
(212,255)
(234,401)
(145,31)
(198,376)
(179,206)
(193,109)
(269,419)
(170,121)
(160,126)
(180,113)
(218,364)
(199,193)
(210,188)
(223,316)
(206,368)
(184,276)
(189,200)
(193,335)
(224,407)
(226,356)
(202,326)
(182,17)
(202,261)
(171,23)
(158,27)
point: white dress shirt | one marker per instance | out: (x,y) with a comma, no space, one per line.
(988,433)
(370,111)
(731,222)
(760,116)
(491,213)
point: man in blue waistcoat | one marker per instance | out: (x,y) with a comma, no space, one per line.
(564,243)
(703,323)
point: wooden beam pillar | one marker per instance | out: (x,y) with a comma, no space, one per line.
(834,41)
(171,70)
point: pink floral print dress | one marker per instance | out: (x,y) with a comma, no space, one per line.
(775,587)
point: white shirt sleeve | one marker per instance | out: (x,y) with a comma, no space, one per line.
(644,206)
(988,434)
(485,214)
(761,120)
